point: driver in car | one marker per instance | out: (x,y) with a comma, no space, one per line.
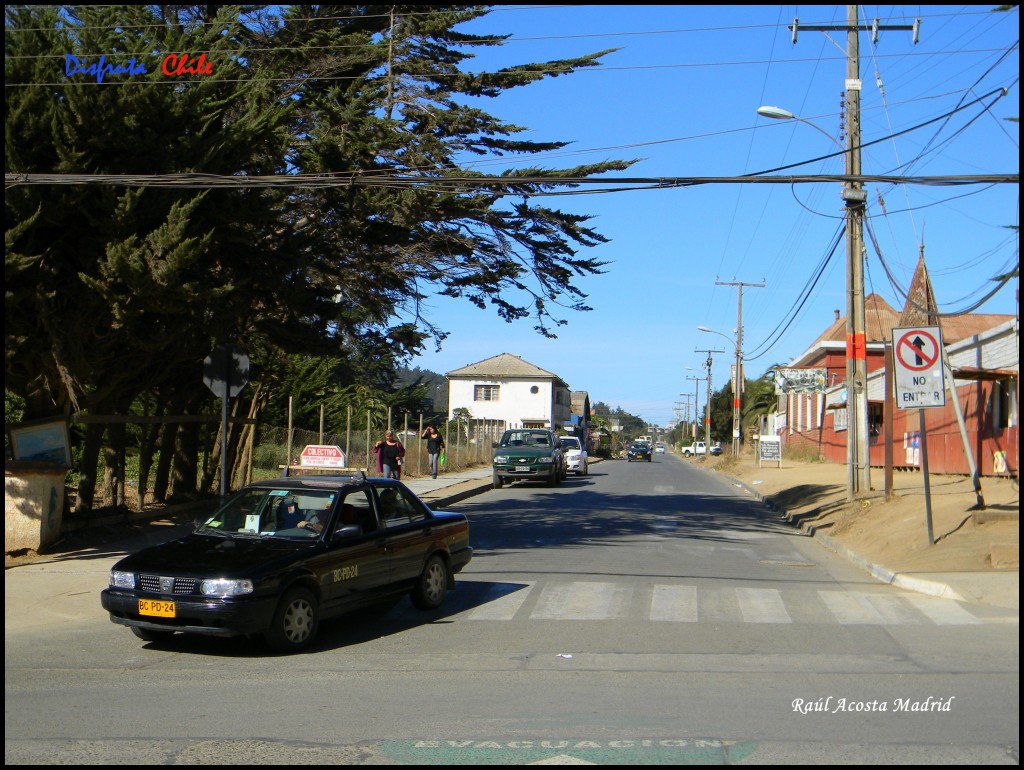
(290,515)
(314,521)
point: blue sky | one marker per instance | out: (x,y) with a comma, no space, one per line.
(681,94)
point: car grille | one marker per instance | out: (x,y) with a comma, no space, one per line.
(167,585)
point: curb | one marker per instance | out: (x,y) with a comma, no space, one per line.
(441,502)
(910,583)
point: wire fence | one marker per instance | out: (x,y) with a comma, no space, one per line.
(466,445)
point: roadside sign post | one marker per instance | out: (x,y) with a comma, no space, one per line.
(225,372)
(769,448)
(920,384)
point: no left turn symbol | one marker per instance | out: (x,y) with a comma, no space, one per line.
(917,350)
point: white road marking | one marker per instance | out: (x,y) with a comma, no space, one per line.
(673,603)
(762,605)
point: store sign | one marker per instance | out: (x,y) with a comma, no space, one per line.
(789,381)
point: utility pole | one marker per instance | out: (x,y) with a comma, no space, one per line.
(707,407)
(686,406)
(684,413)
(858,449)
(696,403)
(737,377)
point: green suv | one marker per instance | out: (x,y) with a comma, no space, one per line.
(532,454)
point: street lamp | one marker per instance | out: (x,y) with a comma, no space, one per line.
(858,456)
(737,381)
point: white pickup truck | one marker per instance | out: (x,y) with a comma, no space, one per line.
(696,448)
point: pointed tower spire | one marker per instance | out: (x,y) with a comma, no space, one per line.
(921,308)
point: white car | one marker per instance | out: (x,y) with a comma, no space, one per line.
(659,448)
(575,455)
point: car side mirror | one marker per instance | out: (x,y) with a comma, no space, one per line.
(348,532)
(494,445)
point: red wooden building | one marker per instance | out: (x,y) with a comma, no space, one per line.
(983,353)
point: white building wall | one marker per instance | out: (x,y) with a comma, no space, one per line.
(515,401)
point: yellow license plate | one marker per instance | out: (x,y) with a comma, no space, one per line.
(156,608)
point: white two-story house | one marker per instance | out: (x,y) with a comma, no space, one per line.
(507,392)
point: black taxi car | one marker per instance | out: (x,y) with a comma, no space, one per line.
(281,555)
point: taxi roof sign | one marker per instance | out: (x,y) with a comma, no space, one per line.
(322,456)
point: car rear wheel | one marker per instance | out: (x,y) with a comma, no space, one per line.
(432,584)
(295,622)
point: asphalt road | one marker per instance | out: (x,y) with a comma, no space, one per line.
(643,614)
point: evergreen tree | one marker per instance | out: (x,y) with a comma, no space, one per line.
(117,293)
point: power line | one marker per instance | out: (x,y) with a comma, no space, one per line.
(453,183)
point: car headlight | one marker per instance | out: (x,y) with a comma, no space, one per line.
(545,460)
(224,587)
(501,459)
(122,579)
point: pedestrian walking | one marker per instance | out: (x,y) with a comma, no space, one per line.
(389,454)
(435,446)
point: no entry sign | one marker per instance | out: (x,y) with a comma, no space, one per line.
(917,364)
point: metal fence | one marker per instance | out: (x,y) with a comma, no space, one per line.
(466,445)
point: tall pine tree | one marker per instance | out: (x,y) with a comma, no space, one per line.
(117,292)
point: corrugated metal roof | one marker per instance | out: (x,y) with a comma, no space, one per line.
(880,318)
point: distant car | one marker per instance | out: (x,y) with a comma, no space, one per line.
(528,454)
(716,449)
(281,555)
(575,455)
(639,450)
(659,448)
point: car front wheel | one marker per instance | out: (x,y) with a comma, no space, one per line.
(497,481)
(432,584)
(295,622)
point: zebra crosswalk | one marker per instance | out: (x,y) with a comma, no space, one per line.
(582,600)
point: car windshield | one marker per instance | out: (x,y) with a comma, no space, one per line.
(526,439)
(570,443)
(264,512)
(638,447)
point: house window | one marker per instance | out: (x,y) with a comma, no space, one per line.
(1001,406)
(535,390)
(485,392)
(875,419)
